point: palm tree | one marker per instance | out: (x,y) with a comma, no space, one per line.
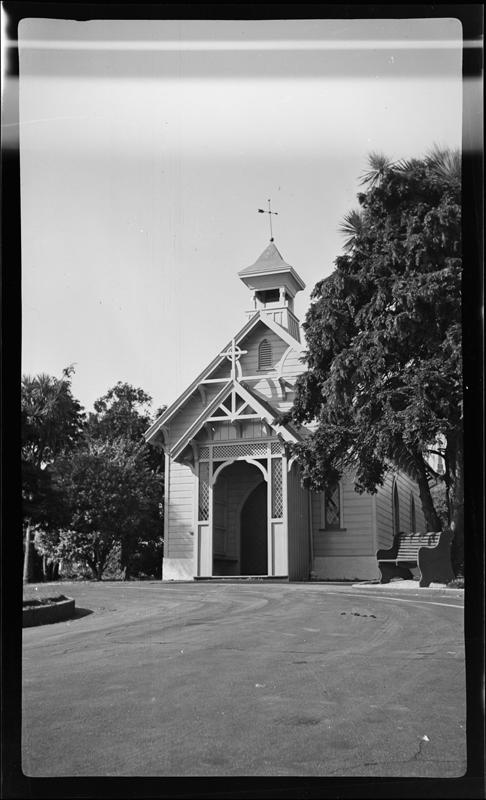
(380,165)
(445,163)
(352,227)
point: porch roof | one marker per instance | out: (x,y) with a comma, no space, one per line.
(262,407)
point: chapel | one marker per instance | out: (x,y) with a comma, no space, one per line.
(234,503)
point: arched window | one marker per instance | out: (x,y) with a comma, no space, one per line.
(413,518)
(264,354)
(331,508)
(395,509)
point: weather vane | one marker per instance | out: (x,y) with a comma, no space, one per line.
(269,212)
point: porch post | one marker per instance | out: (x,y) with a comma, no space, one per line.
(285,507)
(204,548)
(270,553)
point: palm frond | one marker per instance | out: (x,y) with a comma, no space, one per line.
(379,164)
(406,165)
(352,227)
(445,162)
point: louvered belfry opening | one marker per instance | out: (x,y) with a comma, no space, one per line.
(264,355)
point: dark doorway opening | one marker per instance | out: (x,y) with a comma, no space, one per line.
(253,533)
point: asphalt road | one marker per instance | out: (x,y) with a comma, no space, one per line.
(249,679)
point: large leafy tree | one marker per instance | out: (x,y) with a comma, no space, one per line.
(121,416)
(112,487)
(51,424)
(122,413)
(114,499)
(384,371)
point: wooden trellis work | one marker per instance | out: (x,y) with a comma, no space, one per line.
(203,512)
(277,493)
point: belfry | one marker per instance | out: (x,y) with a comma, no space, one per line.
(234,503)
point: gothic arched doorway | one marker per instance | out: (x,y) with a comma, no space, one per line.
(240,520)
(253,532)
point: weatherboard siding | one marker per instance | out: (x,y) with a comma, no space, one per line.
(189,412)
(180,542)
(356,537)
(249,361)
(292,364)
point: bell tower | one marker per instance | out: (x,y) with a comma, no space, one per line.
(274,284)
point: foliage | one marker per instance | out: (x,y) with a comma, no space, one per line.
(51,424)
(114,499)
(123,412)
(384,377)
(112,491)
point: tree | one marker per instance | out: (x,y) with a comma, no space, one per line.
(384,370)
(112,490)
(51,424)
(123,412)
(114,499)
(122,415)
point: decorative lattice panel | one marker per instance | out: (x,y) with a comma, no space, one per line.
(204,452)
(276,448)
(203,513)
(254,450)
(277,495)
(333,512)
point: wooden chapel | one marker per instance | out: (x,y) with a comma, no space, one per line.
(234,504)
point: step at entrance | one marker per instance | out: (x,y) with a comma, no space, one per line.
(243,578)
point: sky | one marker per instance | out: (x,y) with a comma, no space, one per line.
(146,149)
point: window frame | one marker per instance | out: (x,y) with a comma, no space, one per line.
(395,504)
(269,356)
(340,526)
(413,514)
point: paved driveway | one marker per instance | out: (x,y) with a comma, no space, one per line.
(247,679)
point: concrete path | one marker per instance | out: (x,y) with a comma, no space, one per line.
(250,679)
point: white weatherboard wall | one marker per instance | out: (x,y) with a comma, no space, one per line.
(178,563)
(350,553)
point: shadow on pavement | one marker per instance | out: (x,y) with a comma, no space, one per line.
(81,612)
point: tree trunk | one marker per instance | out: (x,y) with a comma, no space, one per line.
(125,560)
(28,554)
(457,504)
(432,519)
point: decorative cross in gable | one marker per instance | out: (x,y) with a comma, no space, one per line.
(233,354)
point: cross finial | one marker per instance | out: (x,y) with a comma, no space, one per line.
(233,354)
(269,212)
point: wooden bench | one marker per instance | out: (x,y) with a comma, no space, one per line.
(430,552)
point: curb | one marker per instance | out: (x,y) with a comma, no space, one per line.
(45,614)
(395,587)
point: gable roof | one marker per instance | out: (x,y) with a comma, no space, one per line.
(260,316)
(270,414)
(269,262)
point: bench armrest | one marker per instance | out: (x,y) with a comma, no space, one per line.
(392,551)
(443,543)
